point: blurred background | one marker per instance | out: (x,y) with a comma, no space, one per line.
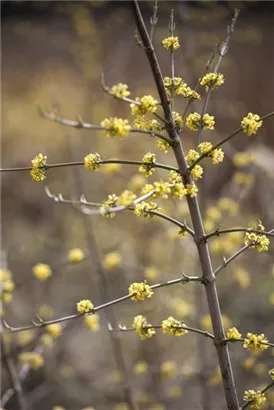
(53,53)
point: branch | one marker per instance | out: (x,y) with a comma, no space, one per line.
(219,232)
(268,387)
(153,19)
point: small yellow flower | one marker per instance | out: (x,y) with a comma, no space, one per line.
(24,338)
(144,105)
(179,191)
(169,369)
(192,156)
(261,242)
(258,398)
(171,43)
(193,122)
(161,189)
(146,169)
(144,209)
(242,159)
(92,322)
(109,203)
(162,145)
(142,327)
(5,274)
(115,127)
(8,286)
(112,260)
(174,178)
(136,182)
(171,326)
(126,198)
(217,156)
(271,373)
(192,190)
(76,255)
(205,147)
(38,171)
(251,124)
(140,368)
(180,87)
(242,178)
(120,90)
(182,233)
(92,161)
(84,306)
(255,342)
(35,360)
(42,271)
(46,340)
(233,334)
(55,330)
(149,125)
(213,80)
(178,119)
(197,172)
(139,291)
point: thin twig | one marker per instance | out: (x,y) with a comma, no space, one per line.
(268,387)
(219,232)
(153,19)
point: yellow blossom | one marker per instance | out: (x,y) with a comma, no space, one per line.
(34,359)
(144,209)
(76,255)
(180,87)
(111,168)
(197,172)
(149,159)
(233,334)
(242,277)
(212,80)
(92,322)
(5,274)
(243,178)
(142,327)
(179,191)
(261,242)
(258,398)
(55,330)
(144,105)
(174,177)
(169,369)
(152,125)
(42,271)
(120,90)
(271,373)
(251,123)
(255,342)
(24,338)
(242,159)
(193,122)
(171,43)
(84,306)
(46,340)
(229,205)
(112,260)
(109,203)
(38,171)
(151,273)
(192,190)
(217,156)
(136,182)
(161,189)
(174,327)
(178,119)
(162,145)
(213,213)
(139,291)
(192,156)
(126,198)
(205,147)
(140,368)
(8,286)
(116,127)
(92,161)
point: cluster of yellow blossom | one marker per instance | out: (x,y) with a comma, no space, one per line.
(251,123)
(178,119)
(144,105)
(182,232)
(34,359)
(243,178)
(161,189)
(197,172)
(112,260)
(258,398)
(92,322)
(169,369)
(192,190)
(93,161)
(178,189)
(271,373)
(193,122)
(180,87)
(115,127)
(171,326)
(233,334)
(126,198)
(111,168)
(144,209)
(146,169)
(47,340)
(171,43)
(24,338)
(42,271)
(55,329)
(143,328)
(76,255)
(174,177)
(192,156)
(242,159)
(139,291)
(38,172)
(140,367)
(84,306)
(205,148)
(162,145)
(120,90)
(109,203)
(261,242)
(212,80)
(7,285)
(255,342)
(152,125)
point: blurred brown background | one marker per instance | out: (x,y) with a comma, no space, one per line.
(53,54)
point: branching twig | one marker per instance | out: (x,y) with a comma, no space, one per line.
(219,232)
(153,19)
(268,387)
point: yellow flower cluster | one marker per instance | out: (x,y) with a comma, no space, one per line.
(109,203)
(192,156)
(178,189)
(92,322)
(142,327)
(38,172)
(217,155)
(193,122)
(144,105)
(55,329)
(178,119)
(42,271)
(258,398)
(261,242)
(144,208)
(120,90)
(243,178)
(146,169)
(149,125)
(7,285)
(205,147)
(180,87)
(271,373)
(76,255)
(162,145)
(126,198)
(116,127)
(197,172)
(35,360)
(92,161)
(111,168)
(233,334)
(84,306)
(174,177)
(242,159)
(112,260)
(255,342)
(192,190)
(169,369)
(212,80)
(171,43)
(171,326)
(161,189)
(251,124)
(139,291)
